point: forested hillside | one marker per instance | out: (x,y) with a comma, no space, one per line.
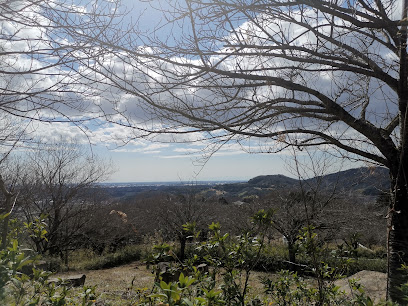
(359,181)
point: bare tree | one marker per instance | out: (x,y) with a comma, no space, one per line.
(322,73)
(177,212)
(12,173)
(37,83)
(59,186)
(295,210)
(306,204)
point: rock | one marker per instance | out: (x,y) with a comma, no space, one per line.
(72,280)
(39,265)
(374,284)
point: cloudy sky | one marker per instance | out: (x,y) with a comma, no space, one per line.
(140,160)
(145,161)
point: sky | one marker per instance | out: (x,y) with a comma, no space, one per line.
(144,161)
(149,162)
(140,160)
(163,166)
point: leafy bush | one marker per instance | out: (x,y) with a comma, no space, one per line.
(232,260)
(22,288)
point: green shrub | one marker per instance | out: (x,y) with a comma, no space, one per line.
(232,258)
(371,264)
(273,258)
(22,286)
(89,261)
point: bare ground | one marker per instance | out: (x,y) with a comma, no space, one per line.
(113,285)
(118,286)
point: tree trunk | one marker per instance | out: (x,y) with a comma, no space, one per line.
(4,232)
(292,255)
(183,242)
(397,240)
(54,237)
(398,214)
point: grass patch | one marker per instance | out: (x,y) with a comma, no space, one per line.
(370,264)
(88,260)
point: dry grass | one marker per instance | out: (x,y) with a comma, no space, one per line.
(113,284)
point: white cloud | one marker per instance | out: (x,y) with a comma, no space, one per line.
(141,81)
(187,150)
(145,148)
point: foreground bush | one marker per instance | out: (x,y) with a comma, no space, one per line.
(232,259)
(32,287)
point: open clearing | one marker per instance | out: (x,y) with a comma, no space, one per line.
(114,285)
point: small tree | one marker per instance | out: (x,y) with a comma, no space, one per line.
(61,179)
(177,212)
(295,210)
(12,174)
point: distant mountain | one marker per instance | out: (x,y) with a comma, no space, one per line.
(366,181)
(359,181)
(272,180)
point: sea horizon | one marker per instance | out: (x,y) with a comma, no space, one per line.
(170,183)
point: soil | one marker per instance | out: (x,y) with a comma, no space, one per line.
(115,284)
